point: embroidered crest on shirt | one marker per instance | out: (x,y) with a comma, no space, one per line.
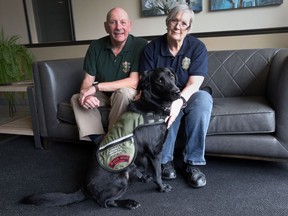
(126,67)
(186,63)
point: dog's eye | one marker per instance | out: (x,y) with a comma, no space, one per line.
(172,77)
(161,80)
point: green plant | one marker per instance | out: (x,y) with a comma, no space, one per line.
(15,60)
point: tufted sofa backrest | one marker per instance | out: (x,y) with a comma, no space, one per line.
(235,73)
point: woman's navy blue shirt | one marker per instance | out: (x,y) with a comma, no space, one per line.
(191,60)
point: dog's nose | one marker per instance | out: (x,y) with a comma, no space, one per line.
(177,93)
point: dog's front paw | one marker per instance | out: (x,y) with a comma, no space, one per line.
(126,203)
(165,188)
(132,204)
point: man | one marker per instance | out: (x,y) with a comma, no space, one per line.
(111,78)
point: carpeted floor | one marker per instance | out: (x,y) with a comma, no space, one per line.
(234,187)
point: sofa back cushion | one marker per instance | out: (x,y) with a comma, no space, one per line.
(235,73)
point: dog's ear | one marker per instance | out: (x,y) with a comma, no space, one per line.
(144,80)
(174,73)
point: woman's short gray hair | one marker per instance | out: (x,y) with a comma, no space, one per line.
(183,8)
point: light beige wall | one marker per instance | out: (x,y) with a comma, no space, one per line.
(59,52)
(216,43)
(12,19)
(247,42)
(90,15)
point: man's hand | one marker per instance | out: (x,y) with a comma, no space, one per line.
(90,102)
(87,98)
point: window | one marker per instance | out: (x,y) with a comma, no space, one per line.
(49,20)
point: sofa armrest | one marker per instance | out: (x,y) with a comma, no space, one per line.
(278,94)
(55,81)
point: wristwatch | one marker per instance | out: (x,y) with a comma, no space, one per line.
(95,84)
(184,102)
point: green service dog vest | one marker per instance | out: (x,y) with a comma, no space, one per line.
(117,151)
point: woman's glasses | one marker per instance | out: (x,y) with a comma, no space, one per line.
(182,25)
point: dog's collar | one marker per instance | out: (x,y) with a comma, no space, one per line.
(157,103)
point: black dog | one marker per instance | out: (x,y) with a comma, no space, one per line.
(158,91)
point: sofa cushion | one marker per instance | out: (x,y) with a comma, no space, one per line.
(241,115)
(65,113)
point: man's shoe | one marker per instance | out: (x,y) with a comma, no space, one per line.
(196,178)
(168,171)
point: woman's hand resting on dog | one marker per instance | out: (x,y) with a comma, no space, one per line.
(174,111)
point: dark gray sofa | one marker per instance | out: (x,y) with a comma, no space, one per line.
(250,111)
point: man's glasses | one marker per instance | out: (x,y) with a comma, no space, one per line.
(182,25)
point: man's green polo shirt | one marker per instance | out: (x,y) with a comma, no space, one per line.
(101,62)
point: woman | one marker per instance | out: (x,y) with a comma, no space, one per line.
(188,57)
